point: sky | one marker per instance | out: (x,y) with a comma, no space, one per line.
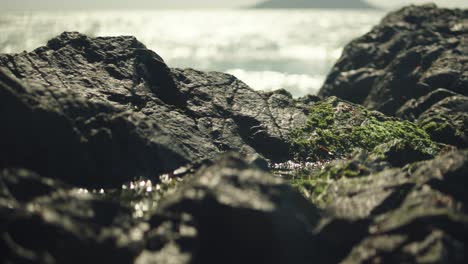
(23,5)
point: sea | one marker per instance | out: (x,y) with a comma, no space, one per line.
(267,49)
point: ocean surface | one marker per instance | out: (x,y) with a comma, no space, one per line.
(267,49)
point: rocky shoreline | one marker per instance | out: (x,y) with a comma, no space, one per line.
(109,155)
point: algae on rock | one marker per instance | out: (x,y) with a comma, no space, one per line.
(335,128)
(356,141)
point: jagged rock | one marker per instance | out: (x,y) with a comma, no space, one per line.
(413,108)
(447,121)
(411,53)
(414,214)
(44,221)
(228,210)
(63,135)
(335,128)
(236,214)
(102,111)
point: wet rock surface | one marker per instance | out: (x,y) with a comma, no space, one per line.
(239,213)
(45,221)
(106,110)
(411,53)
(447,121)
(418,213)
(335,128)
(109,155)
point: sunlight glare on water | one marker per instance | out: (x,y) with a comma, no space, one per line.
(267,49)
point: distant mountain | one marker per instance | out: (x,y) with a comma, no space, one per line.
(348,4)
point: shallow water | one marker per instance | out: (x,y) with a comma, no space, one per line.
(267,49)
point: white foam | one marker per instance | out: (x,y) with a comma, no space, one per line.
(297,84)
(268,49)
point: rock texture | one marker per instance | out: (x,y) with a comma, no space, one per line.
(238,214)
(416,214)
(45,221)
(336,128)
(109,155)
(228,211)
(102,111)
(405,60)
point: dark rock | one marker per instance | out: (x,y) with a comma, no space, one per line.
(411,53)
(335,128)
(62,135)
(44,221)
(235,117)
(102,111)
(239,214)
(413,108)
(427,222)
(414,214)
(24,185)
(447,121)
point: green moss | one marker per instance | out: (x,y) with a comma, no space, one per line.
(336,128)
(434,127)
(314,184)
(313,187)
(321,116)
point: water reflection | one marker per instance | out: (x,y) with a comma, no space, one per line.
(267,49)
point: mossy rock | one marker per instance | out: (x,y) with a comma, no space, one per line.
(336,128)
(357,142)
(315,184)
(447,121)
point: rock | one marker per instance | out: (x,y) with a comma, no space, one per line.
(413,108)
(44,221)
(411,53)
(81,142)
(447,121)
(236,214)
(102,111)
(335,128)
(228,208)
(108,155)
(235,117)
(24,185)
(424,221)
(414,214)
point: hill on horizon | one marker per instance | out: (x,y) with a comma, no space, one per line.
(348,4)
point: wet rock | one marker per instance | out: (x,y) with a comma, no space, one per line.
(447,121)
(235,117)
(227,208)
(313,182)
(414,214)
(411,53)
(94,145)
(44,221)
(336,128)
(413,108)
(424,222)
(108,114)
(236,213)
(24,185)
(102,111)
